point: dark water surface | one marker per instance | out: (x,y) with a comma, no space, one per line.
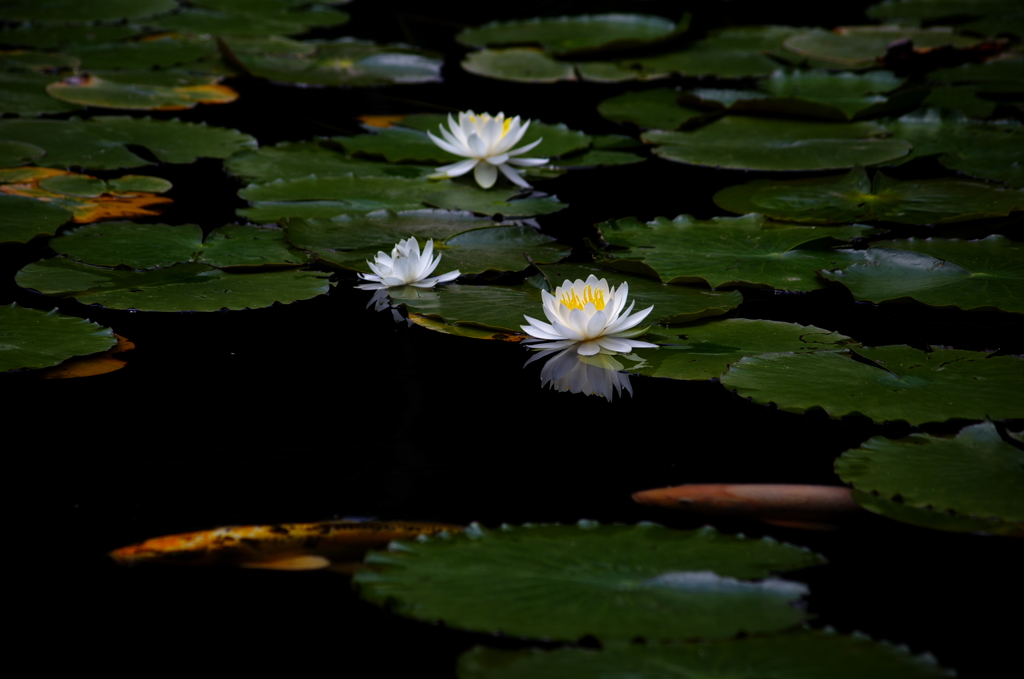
(324,409)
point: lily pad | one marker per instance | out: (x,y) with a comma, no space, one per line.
(672,303)
(51,37)
(729,251)
(1002,75)
(345,62)
(183,287)
(657,109)
(960,98)
(137,246)
(744,143)
(983,274)
(87,198)
(91,90)
(927,518)
(706,350)
(266,17)
(518,64)
(100,143)
(39,339)
(864,46)
(24,94)
(929,10)
(566,35)
(895,383)
(739,52)
(291,160)
(504,201)
(13,153)
(611,582)
(25,218)
(239,245)
(986,150)
(854,197)
(833,96)
(86,11)
(803,654)
(975,474)
(164,51)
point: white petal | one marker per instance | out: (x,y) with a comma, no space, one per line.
(528,162)
(627,321)
(588,348)
(446,146)
(513,176)
(477,147)
(485,175)
(498,159)
(614,344)
(458,169)
(595,328)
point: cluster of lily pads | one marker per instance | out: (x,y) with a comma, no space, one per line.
(859,105)
(165,55)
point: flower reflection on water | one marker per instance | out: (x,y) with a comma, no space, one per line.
(597,375)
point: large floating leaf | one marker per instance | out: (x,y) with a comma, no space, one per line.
(928,10)
(927,518)
(14,153)
(706,350)
(24,218)
(573,35)
(1002,75)
(87,198)
(183,287)
(863,46)
(744,143)
(611,582)
(975,474)
(672,303)
(164,51)
(24,94)
(342,62)
(854,197)
(895,383)
(796,655)
(982,274)
(504,201)
(314,196)
(91,90)
(147,246)
(744,251)
(518,64)
(657,109)
(100,143)
(51,37)
(38,339)
(738,52)
(296,160)
(66,11)
(990,151)
(246,17)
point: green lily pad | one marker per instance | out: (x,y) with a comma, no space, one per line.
(291,160)
(612,582)
(25,218)
(15,153)
(155,52)
(833,96)
(238,245)
(927,518)
(503,201)
(183,287)
(744,143)
(566,35)
(803,654)
(975,474)
(85,186)
(706,350)
(739,52)
(345,62)
(91,90)
(728,251)
(986,150)
(672,303)
(897,383)
(51,37)
(595,158)
(67,11)
(39,339)
(854,197)
(657,109)
(518,64)
(262,17)
(1002,75)
(960,98)
(24,94)
(100,143)
(863,46)
(983,274)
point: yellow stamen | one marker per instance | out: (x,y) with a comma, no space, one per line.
(504,128)
(590,295)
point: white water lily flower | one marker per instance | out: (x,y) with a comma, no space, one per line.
(486,143)
(405,266)
(589,314)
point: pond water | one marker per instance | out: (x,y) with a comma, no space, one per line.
(324,408)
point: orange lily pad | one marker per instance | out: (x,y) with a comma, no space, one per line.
(87,198)
(91,90)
